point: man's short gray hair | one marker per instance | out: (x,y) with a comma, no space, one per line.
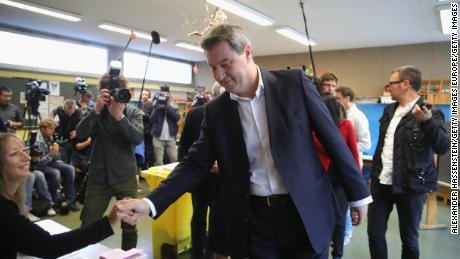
(234,35)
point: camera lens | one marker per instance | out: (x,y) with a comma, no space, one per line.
(121,95)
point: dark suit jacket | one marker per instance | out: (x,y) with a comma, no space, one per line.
(191,131)
(294,110)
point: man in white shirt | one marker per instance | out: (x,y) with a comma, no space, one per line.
(403,168)
(278,200)
(346,96)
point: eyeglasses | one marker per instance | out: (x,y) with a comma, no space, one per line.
(395,82)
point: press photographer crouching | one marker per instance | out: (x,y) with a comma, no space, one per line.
(43,155)
(163,126)
(69,116)
(83,96)
(115,129)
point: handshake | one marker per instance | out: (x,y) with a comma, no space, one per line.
(129,211)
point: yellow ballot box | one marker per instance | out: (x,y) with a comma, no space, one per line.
(173,226)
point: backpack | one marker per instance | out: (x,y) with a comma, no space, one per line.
(40,207)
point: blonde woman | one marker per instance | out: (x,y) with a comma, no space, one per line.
(17,233)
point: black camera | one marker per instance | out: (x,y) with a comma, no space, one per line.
(80,86)
(35,93)
(4,126)
(121,95)
(199,99)
(427,105)
(34,150)
(60,140)
(162,100)
(162,97)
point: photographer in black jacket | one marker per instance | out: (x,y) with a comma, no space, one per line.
(163,127)
(69,115)
(115,128)
(403,167)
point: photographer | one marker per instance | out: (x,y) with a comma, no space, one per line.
(115,129)
(69,116)
(146,110)
(44,154)
(85,102)
(9,113)
(164,134)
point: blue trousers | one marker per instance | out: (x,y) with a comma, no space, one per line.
(36,179)
(54,172)
(409,208)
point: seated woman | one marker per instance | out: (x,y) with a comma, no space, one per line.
(17,233)
(339,116)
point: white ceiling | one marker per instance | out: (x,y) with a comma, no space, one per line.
(334,24)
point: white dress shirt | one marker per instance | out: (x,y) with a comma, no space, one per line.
(361,129)
(165,135)
(386,176)
(265,179)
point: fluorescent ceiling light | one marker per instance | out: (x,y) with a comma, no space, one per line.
(189,46)
(127,31)
(244,11)
(446,18)
(295,35)
(42,10)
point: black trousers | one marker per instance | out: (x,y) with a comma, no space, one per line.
(276,231)
(148,152)
(338,235)
(342,203)
(409,207)
(202,197)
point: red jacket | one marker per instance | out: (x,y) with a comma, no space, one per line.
(348,135)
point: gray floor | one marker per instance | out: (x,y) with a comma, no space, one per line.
(439,244)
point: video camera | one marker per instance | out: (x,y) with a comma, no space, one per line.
(162,97)
(80,86)
(4,126)
(199,99)
(35,93)
(34,151)
(59,139)
(121,95)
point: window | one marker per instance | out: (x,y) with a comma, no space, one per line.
(159,69)
(28,52)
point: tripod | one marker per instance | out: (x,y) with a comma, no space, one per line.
(31,117)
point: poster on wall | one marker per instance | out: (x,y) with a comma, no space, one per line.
(54,87)
(44,109)
(54,102)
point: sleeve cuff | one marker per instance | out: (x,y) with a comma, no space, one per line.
(122,117)
(361,202)
(153,211)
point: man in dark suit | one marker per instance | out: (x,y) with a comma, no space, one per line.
(278,200)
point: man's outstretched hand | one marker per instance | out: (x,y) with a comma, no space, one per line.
(133,209)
